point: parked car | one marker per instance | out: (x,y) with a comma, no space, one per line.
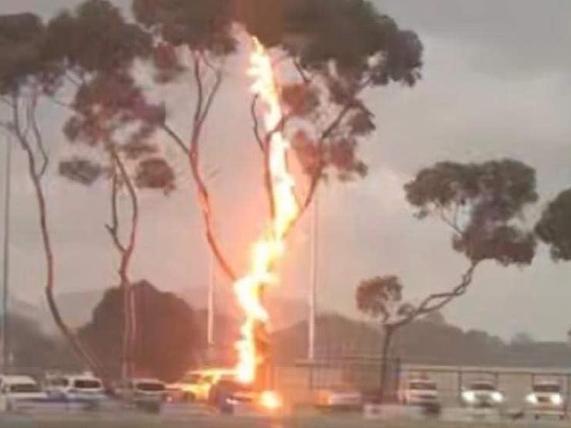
(419,392)
(147,394)
(482,394)
(20,391)
(341,398)
(546,398)
(196,384)
(83,388)
(228,394)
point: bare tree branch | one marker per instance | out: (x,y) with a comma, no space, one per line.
(452,223)
(113,228)
(176,138)
(256,123)
(201,111)
(32,120)
(437,301)
(126,254)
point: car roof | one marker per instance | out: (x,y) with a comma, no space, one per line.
(75,377)
(11,379)
(146,380)
(420,379)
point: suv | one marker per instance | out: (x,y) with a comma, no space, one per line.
(419,392)
(75,388)
(482,394)
(546,398)
(147,394)
(17,391)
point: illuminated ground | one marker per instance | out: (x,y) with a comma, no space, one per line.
(117,421)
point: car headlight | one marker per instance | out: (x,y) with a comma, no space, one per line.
(469,396)
(531,399)
(497,397)
(556,399)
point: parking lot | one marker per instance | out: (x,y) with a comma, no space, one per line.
(302,421)
(197,416)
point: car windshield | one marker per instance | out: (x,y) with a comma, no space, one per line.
(87,384)
(24,388)
(425,386)
(150,386)
(549,388)
(482,386)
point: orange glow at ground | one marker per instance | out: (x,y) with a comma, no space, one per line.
(270,248)
(270,400)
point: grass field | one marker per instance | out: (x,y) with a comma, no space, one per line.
(242,422)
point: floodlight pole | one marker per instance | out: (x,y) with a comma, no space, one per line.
(210,309)
(6,258)
(313,277)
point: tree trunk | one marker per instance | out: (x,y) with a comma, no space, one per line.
(126,253)
(80,351)
(387,338)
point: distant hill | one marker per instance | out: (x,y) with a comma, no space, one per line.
(430,341)
(422,342)
(77,307)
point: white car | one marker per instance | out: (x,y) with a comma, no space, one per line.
(147,394)
(419,392)
(482,394)
(546,398)
(84,388)
(340,399)
(20,391)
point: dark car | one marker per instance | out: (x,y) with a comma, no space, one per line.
(226,394)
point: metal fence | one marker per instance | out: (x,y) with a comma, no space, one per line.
(301,381)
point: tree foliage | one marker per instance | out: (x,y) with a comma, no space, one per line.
(339,48)
(167,340)
(201,25)
(382,297)
(328,53)
(483,204)
(554,227)
(23,59)
(95,38)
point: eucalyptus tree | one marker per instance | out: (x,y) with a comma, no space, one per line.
(483,205)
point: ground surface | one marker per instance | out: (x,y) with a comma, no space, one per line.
(343,421)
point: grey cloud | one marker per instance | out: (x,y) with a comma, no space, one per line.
(513,36)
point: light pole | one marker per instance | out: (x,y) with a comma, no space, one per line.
(6,258)
(211,308)
(313,277)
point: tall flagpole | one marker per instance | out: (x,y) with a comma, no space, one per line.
(6,258)
(313,277)
(210,309)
